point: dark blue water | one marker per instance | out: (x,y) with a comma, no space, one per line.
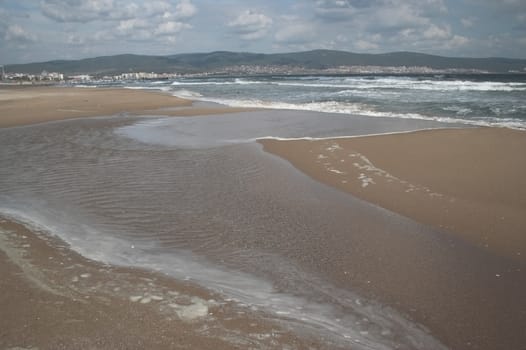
(489,100)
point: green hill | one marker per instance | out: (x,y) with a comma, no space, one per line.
(316,59)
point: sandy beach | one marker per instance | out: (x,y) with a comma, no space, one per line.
(468,182)
(53,298)
(23,105)
(448,253)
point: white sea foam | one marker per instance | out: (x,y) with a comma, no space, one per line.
(309,138)
(377,83)
(188,94)
(365,110)
(247,82)
(86,86)
(177,83)
(142,87)
(455,100)
(398,83)
(197,309)
(336,171)
(384,329)
(459,110)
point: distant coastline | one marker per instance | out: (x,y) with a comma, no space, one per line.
(308,62)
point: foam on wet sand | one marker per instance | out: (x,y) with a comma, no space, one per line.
(54,298)
(469,182)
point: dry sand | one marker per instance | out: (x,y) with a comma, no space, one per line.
(469,182)
(28,105)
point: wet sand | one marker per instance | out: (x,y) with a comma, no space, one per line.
(23,105)
(468,182)
(468,297)
(53,298)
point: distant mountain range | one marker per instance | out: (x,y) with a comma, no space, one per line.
(220,60)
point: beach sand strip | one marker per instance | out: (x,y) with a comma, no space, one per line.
(469,182)
(30,105)
(53,298)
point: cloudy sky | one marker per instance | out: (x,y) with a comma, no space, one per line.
(32,30)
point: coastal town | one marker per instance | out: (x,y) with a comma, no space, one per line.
(58,77)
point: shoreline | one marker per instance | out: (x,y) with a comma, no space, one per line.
(460,291)
(52,297)
(52,103)
(439,177)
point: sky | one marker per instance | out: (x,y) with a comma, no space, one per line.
(34,31)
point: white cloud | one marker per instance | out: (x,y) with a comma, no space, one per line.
(75,39)
(136,29)
(92,10)
(380,15)
(154,21)
(384,25)
(251,25)
(170,28)
(363,45)
(457,41)
(399,17)
(431,7)
(185,9)
(152,8)
(78,10)
(434,32)
(427,39)
(468,22)
(16,33)
(468,27)
(390,10)
(341,38)
(130,25)
(296,33)
(334,10)
(143,29)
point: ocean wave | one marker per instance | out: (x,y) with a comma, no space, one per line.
(459,110)
(401,83)
(86,86)
(411,85)
(248,82)
(142,87)
(460,100)
(468,86)
(177,83)
(366,110)
(188,94)
(385,83)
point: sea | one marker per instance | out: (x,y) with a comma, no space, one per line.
(198,199)
(476,99)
